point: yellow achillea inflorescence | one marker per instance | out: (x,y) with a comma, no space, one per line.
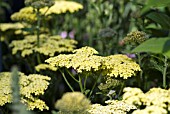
(31,87)
(26,14)
(49,45)
(84,59)
(155,100)
(120,66)
(112,107)
(10,26)
(73,103)
(44,67)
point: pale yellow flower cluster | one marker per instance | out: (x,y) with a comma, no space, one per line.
(120,66)
(10,26)
(113,107)
(44,67)
(156,100)
(84,59)
(73,102)
(49,45)
(31,87)
(61,6)
(26,14)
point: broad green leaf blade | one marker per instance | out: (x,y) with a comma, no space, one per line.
(160,18)
(155,45)
(155,3)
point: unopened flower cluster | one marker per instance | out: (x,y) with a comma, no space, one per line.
(156,100)
(49,45)
(84,59)
(112,107)
(135,37)
(73,103)
(31,87)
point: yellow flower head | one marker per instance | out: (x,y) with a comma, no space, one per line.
(75,102)
(31,87)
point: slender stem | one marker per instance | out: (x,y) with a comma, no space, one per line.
(91,91)
(80,84)
(164,71)
(66,81)
(85,81)
(72,76)
(121,88)
(141,72)
(38,27)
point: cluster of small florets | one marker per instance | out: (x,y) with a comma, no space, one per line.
(39,3)
(84,59)
(155,100)
(112,107)
(49,45)
(73,103)
(135,37)
(31,87)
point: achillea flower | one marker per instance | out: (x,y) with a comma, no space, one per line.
(62,7)
(156,100)
(120,66)
(136,37)
(112,107)
(49,45)
(10,26)
(44,67)
(73,102)
(31,87)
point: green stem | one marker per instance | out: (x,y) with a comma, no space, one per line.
(85,81)
(141,72)
(38,27)
(80,84)
(164,72)
(72,76)
(121,88)
(91,91)
(66,81)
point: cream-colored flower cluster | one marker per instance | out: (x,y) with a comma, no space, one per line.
(49,45)
(31,87)
(135,37)
(44,67)
(62,6)
(73,103)
(120,66)
(156,100)
(84,59)
(26,14)
(112,107)
(10,26)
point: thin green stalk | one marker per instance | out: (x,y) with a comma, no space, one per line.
(91,91)
(164,72)
(85,81)
(80,84)
(121,88)
(65,79)
(72,76)
(141,72)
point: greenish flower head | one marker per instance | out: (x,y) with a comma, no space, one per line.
(39,3)
(73,103)
(135,38)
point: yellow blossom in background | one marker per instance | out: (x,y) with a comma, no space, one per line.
(156,100)
(62,7)
(73,102)
(120,66)
(31,87)
(10,26)
(49,45)
(26,14)
(112,107)
(44,67)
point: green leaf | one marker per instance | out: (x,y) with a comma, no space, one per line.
(155,45)
(154,4)
(160,18)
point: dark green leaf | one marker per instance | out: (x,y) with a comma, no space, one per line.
(155,45)
(160,18)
